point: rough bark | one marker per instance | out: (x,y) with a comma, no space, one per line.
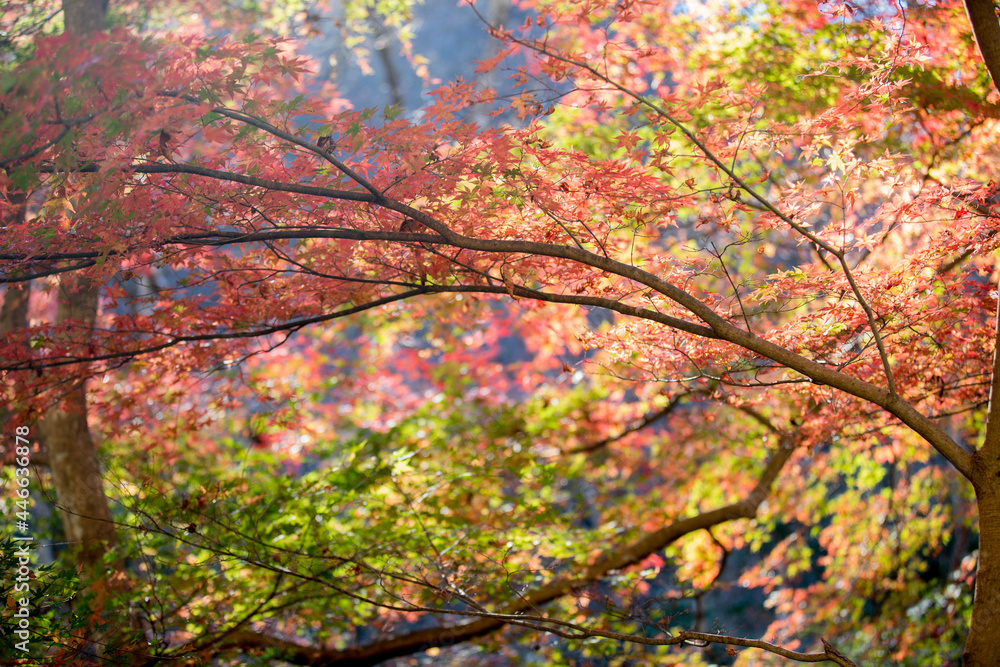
(982,648)
(83,17)
(986,28)
(76,470)
(14,312)
(72,456)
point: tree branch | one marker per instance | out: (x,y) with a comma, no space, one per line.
(247,119)
(218,174)
(638,425)
(718,327)
(306,655)
(36,364)
(721,327)
(517,612)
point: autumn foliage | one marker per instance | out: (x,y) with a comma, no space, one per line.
(706,317)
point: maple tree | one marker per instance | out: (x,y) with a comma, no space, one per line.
(725,290)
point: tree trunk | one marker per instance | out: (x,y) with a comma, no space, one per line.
(14,312)
(72,457)
(76,471)
(83,17)
(982,648)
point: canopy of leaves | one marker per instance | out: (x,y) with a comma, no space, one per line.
(715,314)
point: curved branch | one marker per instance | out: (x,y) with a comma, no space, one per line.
(305,655)
(518,612)
(638,425)
(220,175)
(720,326)
(870,314)
(958,457)
(247,119)
(294,325)
(48,272)
(67,125)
